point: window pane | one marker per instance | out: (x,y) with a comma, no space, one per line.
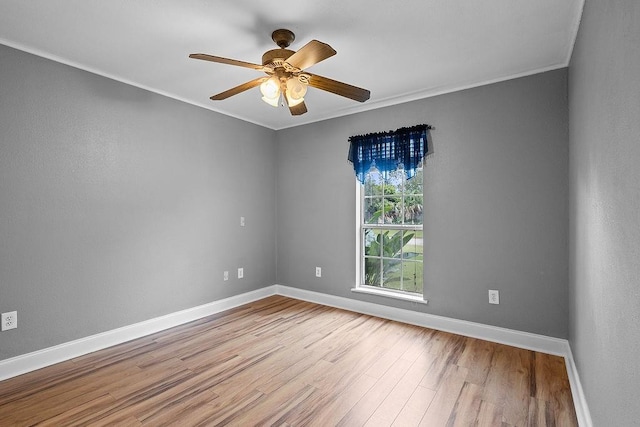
(372,271)
(413,245)
(414,185)
(413,209)
(393,186)
(372,242)
(391,242)
(412,276)
(392,270)
(373,184)
(396,180)
(393,209)
(373,210)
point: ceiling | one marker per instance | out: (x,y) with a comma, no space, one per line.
(400,51)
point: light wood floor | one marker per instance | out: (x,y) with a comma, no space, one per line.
(285,362)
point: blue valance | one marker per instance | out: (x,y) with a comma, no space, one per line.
(387,151)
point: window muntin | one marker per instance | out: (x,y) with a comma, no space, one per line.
(391,237)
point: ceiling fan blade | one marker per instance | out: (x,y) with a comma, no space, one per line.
(339,88)
(222,60)
(298,109)
(310,54)
(238,89)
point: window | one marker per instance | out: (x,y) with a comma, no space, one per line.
(391,249)
(388,166)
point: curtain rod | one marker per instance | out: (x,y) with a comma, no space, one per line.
(391,132)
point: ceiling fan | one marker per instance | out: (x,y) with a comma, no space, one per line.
(286,76)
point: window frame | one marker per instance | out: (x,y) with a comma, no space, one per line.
(361,229)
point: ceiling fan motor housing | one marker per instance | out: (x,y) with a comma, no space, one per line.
(276,57)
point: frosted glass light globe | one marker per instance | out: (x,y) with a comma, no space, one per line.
(271,91)
(295,91)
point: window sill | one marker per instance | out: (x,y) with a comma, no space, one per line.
(390,294)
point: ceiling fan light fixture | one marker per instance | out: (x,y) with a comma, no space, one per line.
(270,88)
(295,92)
(293,102)
(296,88)
(272,101)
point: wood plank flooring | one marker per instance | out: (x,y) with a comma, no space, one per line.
(284,362)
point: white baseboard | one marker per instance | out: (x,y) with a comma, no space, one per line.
(526,340)
(579,399)
(39,359)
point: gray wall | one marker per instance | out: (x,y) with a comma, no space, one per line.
(496,203)
(604,105)
(119,205)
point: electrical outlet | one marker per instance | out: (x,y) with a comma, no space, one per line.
(9,320)
(240,273)
(318,272)
(225,276)
(241,221)
(494,297)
